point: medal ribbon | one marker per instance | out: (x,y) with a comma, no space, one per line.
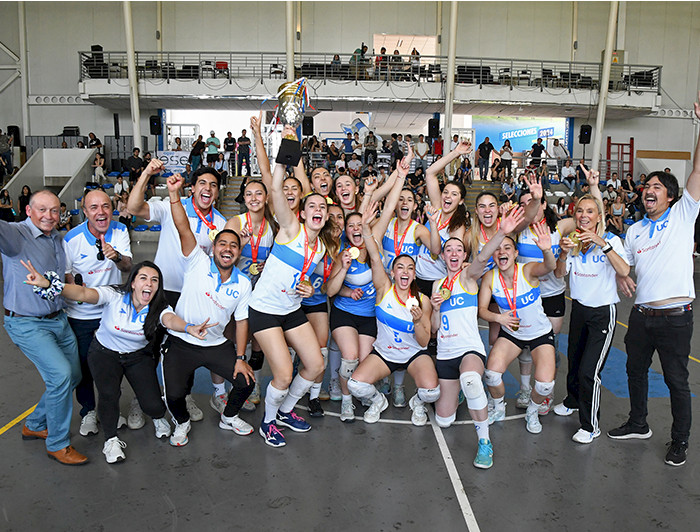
(511,301)
(253,244)
(448,284)
(441,227)
(483,233)
(307,260)
(327,268)
(398,297)
(397,250)
(206,222)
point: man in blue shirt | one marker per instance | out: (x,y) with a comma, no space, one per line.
(347,145)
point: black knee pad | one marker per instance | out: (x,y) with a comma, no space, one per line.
(256,360)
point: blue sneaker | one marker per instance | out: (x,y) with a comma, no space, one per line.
(272,435)
(294,422)
(484,455)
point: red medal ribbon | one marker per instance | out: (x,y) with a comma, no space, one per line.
(397,250)
(397,296)
(441,227)
(511,301)
(307,260)
(253,244)
(448,284)
(327,268)
(206,222)
(486,239)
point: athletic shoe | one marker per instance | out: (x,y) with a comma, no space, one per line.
(193,410)
(532,423)
(630,432)
(88,425)
(218,402)
(248,406)
(315,409)
(676,453)
(254,396)
(113,450)
(484,455)
(162,428)
(293,421)
(335,391)
(384,386)
(179,437)
(236,424)
(497,414)
(419,417)
(563,410)
(121,422)
(271,434)
(399,397)
(545,406)
(375,410)
(324,395)
(583,436)
(347,412)
(135,420)
(522,398)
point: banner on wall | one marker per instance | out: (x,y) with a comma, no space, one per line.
(174,161)
(522,132)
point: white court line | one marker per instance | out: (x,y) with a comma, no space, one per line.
(457,485)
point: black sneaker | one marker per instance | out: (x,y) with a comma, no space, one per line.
(315,409)
(676,452)
(630,432)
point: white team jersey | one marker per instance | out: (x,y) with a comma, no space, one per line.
(409,246)
(121,327)
(529,252)
(528,306)
(662,253)
(430,269)
(264,246)
(168,256)
(396,339)
(81,258)
(275,292)
(205,296)
(459,328)
(592,277)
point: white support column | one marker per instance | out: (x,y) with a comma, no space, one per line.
(604,82)
(289,20)
(159,26)
(621,28)
(438,26)
(133,80)
(450,84)
(23,70)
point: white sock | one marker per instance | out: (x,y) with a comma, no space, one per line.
(482,429)
(525,382)
(273,400)
(347,398)
(498,402)
(297,390)
(398,377)
(257,375)
(219,389)
(532,407)
(315,390)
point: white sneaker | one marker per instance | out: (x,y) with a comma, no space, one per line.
(522,398)
(217,402)
(347,412)
(248,406)
(121,422)
(162,428)
(113,450)
(135,419)
(583,436)
(545,406)
(562,410)
(335,392)
(88,425)
(376,408)
(254,396)
(193,410)
(497,413)
(179,437)
(419,417)
(533,425)
(236,424)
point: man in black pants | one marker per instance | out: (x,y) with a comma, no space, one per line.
(660,247)
(243,154)
(217,291)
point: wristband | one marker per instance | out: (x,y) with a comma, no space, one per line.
(119,258)
(240,357)
(174,202)
(189,324)
(607,248)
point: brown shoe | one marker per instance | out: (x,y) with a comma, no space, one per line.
(68,456)
(34,434)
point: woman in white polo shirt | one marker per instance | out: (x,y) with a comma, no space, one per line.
(122,347)
(592,258)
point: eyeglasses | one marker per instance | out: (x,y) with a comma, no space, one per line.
(100,253)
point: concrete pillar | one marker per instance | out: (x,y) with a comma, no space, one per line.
(450,83)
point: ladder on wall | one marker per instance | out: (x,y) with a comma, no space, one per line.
(620,158)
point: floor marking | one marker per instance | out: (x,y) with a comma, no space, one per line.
(467,512)
(17,420)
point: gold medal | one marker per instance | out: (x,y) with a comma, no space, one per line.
(212,234)
(254,269)
(433,256)
(323,288)
(515,327)
(354,252)
(329,200)
(305,282)
(445,293)
(574,237)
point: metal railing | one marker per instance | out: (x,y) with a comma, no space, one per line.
(389,68)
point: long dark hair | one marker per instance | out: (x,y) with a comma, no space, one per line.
(267,214)
(326,233)
(158,302)
(459,217)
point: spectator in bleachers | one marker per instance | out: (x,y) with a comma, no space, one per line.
(615,182)
(506,155)
(229,149)
(333,153)
(543,175)
(221,166)
(80,144)
(213,144)
(94,142)
(177,144)
(454,164)
(610,193)
(357,145)
(98,171)
(581,170)
(120,187)
(381,64)
(396,62)
(196,153)
(416,182)
(314,145)
(386,147)
(64,145)
(415,64)
(243,153)
(6,149)
(123,210)
(341,163)
(347,144)
(354,165)
(560,208)
(560,153)
(568,175)
(507,190)
(135,165)
(370,148)
(536,153)
(335,64)
(370,171)
(64,219)
(6,206)
(484,152)
(421,151)
(438,145)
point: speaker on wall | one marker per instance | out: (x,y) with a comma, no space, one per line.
(433,128)
(584,136)
(307,126)
(116,126)
(154,122)
(13,131)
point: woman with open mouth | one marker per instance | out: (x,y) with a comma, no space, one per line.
(592,257)
(123,343)
(516,289)
(461,357)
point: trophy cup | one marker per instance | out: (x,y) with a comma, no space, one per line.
(290,111)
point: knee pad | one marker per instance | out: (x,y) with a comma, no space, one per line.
(473,390)
(544,388)
(361,390)
(256,360)
(444,422)
(429,395)
(525,357)
(324,354)
(347,367)
(492,378)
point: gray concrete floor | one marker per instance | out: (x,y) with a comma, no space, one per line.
(388,476)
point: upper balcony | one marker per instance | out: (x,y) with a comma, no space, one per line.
(483,86)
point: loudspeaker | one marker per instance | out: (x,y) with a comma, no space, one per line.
(307,126)
(433,128)
(116,126)
(584,136)
(154,121)
(13,131)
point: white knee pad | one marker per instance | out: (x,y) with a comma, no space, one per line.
(324,354)
(361,390)
(473,390)
(544,388)
(525,357)
(429,395)
(347,367)
(444,422)
(492,378)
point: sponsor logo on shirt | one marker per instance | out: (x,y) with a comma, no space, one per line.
(644,250)
(127,331)
(216,303)
(100,270)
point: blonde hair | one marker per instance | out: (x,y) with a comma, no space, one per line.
(600,228)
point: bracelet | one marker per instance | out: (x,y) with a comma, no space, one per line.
(240,357)
(192,324)
(174,202)
(607,248)
(562,258)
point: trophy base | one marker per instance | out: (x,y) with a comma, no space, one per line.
(289,152)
